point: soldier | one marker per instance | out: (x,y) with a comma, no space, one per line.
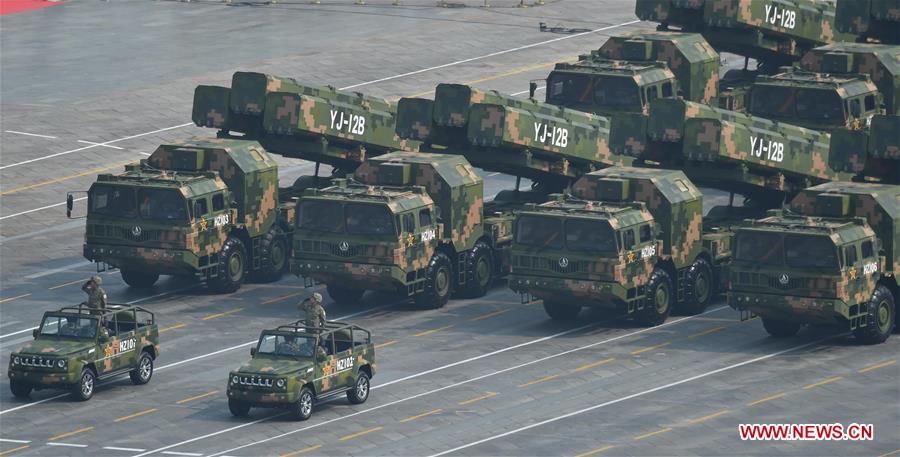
(314,313)
(96,294)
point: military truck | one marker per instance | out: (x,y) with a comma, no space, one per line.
(872,20)
(294,367)
(831,258)
(77,346)
(625,238)
(207,208)
(405,222)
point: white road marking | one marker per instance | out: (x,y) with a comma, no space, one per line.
(7,440)
(18,332)
(30,134)
(66,444)
(526,91)
(635,395)
(126,449)
(100,144)
(36,159)
(189,454)
(39,209)
(57,270)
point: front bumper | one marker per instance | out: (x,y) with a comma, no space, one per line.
(357,275)
(810,310)
(267,398)
(603,294)
(43,379)
(164,261)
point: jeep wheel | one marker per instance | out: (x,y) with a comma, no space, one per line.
(238,408)
(274,253)
(231,267)
(360,391)
(83,390)
(479,271)
(779,328)
(699,288)
(139,279)
(144,371)
(659,300)
(560,311)
(879,317)
(20,389)
(344,295)
(439,277)
(303,408)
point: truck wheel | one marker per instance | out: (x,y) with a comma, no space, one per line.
(144,371)
(781,329)
(303,408)
(659,299)
(83,390)
(20,389)
(560,311)
(437,283)
(360,391)
(274,254)
(879,317)
(232,263)
(479,270)
(238,408)
(699,287)
(139,279)
(344,295)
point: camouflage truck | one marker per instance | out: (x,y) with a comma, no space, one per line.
(411,223)
(209,208)
(832,257)
(294,367)
(77,346)
(631,239)
(319,124)
(874,20)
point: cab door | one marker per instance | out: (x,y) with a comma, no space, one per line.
(343,369)
(106,361)
(127,340)
(325,381)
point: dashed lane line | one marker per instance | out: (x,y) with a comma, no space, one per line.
(385,344)
(539,380)
(877,366)
(301,451)
(707,417)
(650,348)
(595,451)
(767,399)
(222,314)
(419,416)
(489,315)
(16,449)
(281,298)
(64,178)
(70,283)
(358,434)
(196,397)
(707,332)
(14,298)
(72,433)
(593,364)
(137,414)
(653,433)
(172,327)
(433,331)
(822,382)
(478,398)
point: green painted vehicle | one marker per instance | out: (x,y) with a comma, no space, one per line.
(294,367)
(77,346)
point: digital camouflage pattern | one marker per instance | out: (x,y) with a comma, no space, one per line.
(858,216)
(129,334)
(256,382)
(870,19)
(207,170)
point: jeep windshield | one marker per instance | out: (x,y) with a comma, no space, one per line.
(69,326)
(787,102)
(607,91)
(590,235)
(791,250)
(353,218)
(281,345)
(539,232)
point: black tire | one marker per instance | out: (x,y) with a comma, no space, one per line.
(83,390)
(232,267)
(238,408)
(880,317)
(360,391)
(274,254)
(781,329)
(699,287)
(20,389)
(479,270)
(560,311)
(303,408)
(144,371)
(659,302)
(344,295)
(438,283)
(139,279)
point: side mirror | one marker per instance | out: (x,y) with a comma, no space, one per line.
(532,88)
(34,333)
(252,352)
(70,203)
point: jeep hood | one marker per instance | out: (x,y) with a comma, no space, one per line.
(54,347)
(275,366)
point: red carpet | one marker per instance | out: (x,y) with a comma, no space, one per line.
(18,6)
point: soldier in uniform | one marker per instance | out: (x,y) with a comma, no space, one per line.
(96,294)
(313,312)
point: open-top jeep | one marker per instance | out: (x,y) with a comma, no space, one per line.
(77,346)
(294,366)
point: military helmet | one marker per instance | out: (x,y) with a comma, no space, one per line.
(317,297)
(96,279)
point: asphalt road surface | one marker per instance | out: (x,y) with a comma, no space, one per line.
(89,86)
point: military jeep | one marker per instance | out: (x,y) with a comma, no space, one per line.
(294,366)
(77,346)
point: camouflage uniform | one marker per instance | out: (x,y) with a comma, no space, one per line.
(96,294)
(314,313)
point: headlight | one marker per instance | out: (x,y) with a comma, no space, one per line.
(61,363)
(234,379)
(16,360)
(280,383)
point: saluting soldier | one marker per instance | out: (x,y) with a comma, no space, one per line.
(96,294)
(313,312)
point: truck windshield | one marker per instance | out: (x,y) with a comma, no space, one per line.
(761,247)
(69,326)
(369,219)
(286,345)
(588,235)
(116,201)
(162,204)
(355,218)
(617,92)
(820,105)
(609,91)
(539,231)
(794,251)
(321,216)
(809,104)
